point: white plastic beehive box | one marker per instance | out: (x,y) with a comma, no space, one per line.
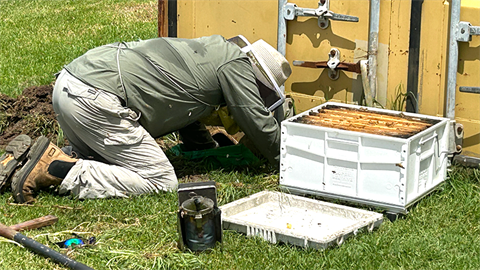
(280,217)
(381,170)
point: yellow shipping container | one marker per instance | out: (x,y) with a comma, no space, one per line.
(412,55)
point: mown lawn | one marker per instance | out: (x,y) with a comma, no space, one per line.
(38,37)
(440,232)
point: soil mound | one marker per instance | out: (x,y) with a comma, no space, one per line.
(30,113)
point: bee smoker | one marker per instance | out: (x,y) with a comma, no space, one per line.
(199,218)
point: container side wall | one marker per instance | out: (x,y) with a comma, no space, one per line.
(433,57)
(254,19)
(398,40)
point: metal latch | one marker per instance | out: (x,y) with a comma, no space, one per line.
(465,31)
(333,61)
(323,13)
(333,65)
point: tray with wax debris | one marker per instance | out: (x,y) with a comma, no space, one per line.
(281,217)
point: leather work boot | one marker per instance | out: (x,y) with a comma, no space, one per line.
(13,158)
(35,175)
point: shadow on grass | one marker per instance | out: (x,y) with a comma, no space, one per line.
(193,169)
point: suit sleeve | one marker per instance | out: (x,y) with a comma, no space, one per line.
(243,100)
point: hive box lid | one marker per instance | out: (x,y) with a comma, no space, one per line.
(281,217)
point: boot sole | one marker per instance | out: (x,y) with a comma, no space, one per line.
(15,153)
(33,156)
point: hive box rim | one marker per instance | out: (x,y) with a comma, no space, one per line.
(441,120)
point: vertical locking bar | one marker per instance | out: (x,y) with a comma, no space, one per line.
(372,51)
(452,59)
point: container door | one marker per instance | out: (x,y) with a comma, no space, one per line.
(467,98)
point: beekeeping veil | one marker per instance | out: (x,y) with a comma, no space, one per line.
(270,67)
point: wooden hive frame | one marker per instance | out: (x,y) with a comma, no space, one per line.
(366,121)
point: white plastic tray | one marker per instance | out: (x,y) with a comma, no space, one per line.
(280,217)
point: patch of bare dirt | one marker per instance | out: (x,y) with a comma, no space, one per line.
(30,113)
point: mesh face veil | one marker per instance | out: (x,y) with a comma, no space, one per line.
(263,71)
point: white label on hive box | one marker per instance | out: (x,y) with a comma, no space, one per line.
(422,179)
(343,177)
(424,174)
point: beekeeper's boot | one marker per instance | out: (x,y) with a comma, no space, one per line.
(15,153)
(47,165)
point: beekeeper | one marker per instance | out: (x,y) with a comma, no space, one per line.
(113,101)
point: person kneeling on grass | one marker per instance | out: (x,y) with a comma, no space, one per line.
(114,100)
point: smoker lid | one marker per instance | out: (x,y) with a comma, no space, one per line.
(198,205)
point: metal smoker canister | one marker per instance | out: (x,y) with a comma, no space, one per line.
(197,213)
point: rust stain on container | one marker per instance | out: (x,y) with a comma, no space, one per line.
(366,121)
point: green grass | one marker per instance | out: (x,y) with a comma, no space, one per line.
(440,232)
(39,37)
